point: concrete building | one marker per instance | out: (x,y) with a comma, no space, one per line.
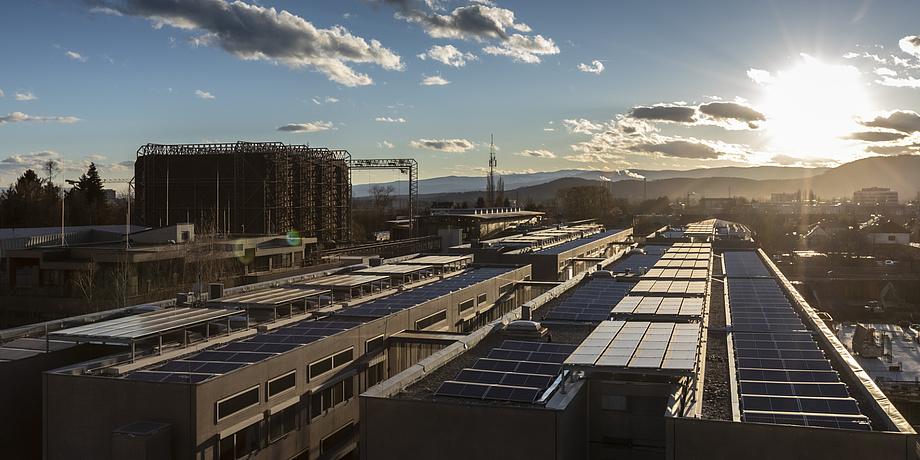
(733,364)
(284,390)
(875,196)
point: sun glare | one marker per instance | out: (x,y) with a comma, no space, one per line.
(812,107)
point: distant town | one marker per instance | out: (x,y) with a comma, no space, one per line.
(242,300)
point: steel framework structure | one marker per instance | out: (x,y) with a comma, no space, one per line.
(403,165)
(246,187)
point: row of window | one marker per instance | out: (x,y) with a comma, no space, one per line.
(278,385)
(247,440)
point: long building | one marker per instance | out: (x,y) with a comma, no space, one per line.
(695,348)
(246,187)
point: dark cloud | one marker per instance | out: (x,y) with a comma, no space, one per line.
(474,21)
(254,32)
(890,150)
(444,145)
(877,136)
(902,120)
(678,149)
(673,113)
(733,111)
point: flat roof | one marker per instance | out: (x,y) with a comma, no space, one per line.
(235,355)
(393,269)
(640,347)
(144,325)
(437,260)
(269,298)
(569,245)
(378,308)
(340,281)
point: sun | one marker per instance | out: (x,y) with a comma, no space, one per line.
(812,107)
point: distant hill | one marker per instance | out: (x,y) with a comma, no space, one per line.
(452,184)
(901,173)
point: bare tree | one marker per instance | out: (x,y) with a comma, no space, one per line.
(84,280)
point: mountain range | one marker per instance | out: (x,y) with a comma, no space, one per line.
(900,173)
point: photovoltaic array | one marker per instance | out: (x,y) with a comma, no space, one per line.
(592,303)
(515,371)
(206,364)
(400,301)
(783,376)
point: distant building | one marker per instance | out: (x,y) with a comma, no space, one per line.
(875,195)
(780,198)
(109,195)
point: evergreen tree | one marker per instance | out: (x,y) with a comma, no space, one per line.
(91,185)
(30,202)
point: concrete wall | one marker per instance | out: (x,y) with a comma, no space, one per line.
(81,413)
(405,429)
(712,439)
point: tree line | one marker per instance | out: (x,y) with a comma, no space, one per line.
(35,201)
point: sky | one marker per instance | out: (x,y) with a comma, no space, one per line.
(558,85)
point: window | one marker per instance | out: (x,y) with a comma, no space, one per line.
(331,362)
(466,305)
(238,402)
(892,238)
(483,298)
(375,374)
(281,384)
(281,423)
(241,443)
(504,288)
(431,320)
(331,396)
(340,436)
(373,344)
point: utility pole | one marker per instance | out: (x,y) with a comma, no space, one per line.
(490,183)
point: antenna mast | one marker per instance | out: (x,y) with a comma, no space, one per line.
(490,183)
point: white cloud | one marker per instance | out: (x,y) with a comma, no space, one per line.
(331,100)
(761,77)
(24,97)
(203,94)
(474,21)
(524,49)
(596,67)
(384,145)
(76,56)
(443,145)
(536,153)
(18,117)
(910,45)
(254,32)
(390,120)
(448,55)
(436,80)
(582,126)
(306,127)
(1,93)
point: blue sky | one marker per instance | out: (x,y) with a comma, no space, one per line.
(561,85)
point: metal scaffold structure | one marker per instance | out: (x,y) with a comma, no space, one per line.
(404,165)
(246,187)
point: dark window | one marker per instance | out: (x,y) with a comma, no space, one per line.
(241,443)
(431,320)
(340,436)
(327,364)
(282,423)
(373,344)
(375,374)
(321,367)
(343,358)
(482,298)
(331,396)
(238,402)
(281,384)
(466,305)
(505,288)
